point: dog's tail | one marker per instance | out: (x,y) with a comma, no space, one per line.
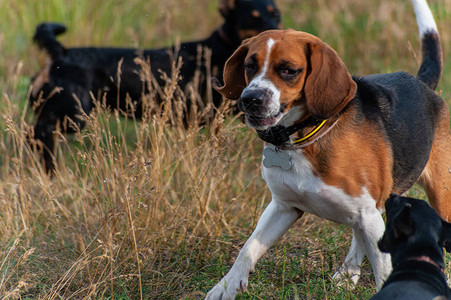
(431,64)
(45,38)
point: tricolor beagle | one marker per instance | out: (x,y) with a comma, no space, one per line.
(337,146)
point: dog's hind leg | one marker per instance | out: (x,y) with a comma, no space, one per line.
(350,269)
(436,177)
(366,233)
(372,228)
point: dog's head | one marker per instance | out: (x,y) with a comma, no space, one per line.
(250,17)
(283,76)
(414,229)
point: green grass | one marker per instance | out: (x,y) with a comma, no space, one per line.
(144,209)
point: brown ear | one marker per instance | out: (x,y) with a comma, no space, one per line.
(234,81)
(329,87)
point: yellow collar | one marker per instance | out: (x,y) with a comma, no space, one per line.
(310,134)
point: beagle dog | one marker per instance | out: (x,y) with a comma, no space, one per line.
(336,146)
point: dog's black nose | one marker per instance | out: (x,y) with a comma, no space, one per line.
(254,100)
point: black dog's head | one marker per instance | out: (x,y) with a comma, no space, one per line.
(414,229)
(248,18)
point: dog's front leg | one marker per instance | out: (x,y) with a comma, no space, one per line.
(274,222)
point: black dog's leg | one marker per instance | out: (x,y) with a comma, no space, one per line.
(43,132)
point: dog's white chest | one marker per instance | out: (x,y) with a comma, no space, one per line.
(288,173)
(300,188)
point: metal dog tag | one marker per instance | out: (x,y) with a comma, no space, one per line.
(273,157)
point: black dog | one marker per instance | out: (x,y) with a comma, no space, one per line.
(414,237)
(64,89)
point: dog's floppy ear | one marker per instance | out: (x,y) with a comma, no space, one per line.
(329,86)
(234,81)
(445,237)
(404,226)
(399,228)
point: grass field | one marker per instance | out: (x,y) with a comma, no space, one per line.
(140,210)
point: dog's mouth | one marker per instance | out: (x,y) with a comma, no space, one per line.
(265,117)
(263,122)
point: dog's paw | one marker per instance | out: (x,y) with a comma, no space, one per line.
(346,276)
(228,288)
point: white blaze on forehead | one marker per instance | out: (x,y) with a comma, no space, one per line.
(261,81)
(269,45)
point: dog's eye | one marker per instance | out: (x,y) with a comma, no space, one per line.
(289,73)
(250,67)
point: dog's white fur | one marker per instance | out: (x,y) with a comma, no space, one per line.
(425,19)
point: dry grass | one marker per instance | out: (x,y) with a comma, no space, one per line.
(147,210)
(131,199)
